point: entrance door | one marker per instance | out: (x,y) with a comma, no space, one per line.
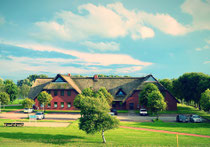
(131,106)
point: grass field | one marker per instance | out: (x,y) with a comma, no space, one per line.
(10,108)
(72,136)
(192,128)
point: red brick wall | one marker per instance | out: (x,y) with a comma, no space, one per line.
(171,102)
(60,99)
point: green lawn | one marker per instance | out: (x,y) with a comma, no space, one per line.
(72,136)
(193,128)
(10,108)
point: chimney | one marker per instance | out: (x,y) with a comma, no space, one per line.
(95,78)
(69,74)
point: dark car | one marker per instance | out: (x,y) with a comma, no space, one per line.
(114,111)
(182,118)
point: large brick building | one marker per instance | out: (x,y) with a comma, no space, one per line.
(125,90)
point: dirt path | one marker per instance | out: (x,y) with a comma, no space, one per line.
(162,131)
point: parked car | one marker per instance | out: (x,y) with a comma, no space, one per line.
(111,113)
(28,110)
(143,112)
(182,118)
(195,118)
(114,111)
(40,115)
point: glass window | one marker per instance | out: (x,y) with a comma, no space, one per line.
(48,91)
(69,93)
(120,93)
(62,104)
(59,80)
(55,104)
(49,105)
(55,93)
(69,105)
(62,93)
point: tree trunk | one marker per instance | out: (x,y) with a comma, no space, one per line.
(157,116)
(104,140)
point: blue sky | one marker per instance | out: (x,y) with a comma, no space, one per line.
(164,38)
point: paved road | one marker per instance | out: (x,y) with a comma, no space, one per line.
(121,116)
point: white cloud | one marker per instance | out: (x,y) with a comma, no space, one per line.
(199,10)
(110,21)
(102,46)
(2,20)
(206,62)
(205,47)
(129,69)
(164,23)
(86,58)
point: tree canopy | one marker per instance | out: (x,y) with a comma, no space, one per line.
(168,84)
(44,98)
(28,103)
(11,88)
(4,98)
(205,100)
(143,96)
(95,112)
(189,86)
(156,102)
(30,79)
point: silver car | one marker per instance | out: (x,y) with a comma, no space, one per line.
(195,118)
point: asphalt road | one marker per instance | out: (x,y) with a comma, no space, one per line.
(121,116)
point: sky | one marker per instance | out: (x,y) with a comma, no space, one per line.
(112,37)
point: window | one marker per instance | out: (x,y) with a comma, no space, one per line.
(59,79)
(49,105)
(48,91)
(62,93)
(120,93)
(55,93)
(69,93)
(69,105)
(55,104)
(62,104)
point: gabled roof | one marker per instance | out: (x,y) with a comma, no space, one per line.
(113,84)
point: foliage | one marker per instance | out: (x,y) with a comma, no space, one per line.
(4,98)
(205,100)
(44,98)
(11,88)
(189,86)
(24,90)
(143,96)
(30,79)
(156,102)
(1,81)
(28,103)
(103,92)
(168,84)
(94,112)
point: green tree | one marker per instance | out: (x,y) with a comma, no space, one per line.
(103,92)
(205,100)
(28,103)
(12,89)
(24,90)
(143,96)
(4,99)
(44,98)
(168,84)
(156,102)
(94,114)
(30,79)
(189,86)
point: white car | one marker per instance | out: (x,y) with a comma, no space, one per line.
(111,113)
(40,115)
(142,112)
(28,110)
(195,118)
